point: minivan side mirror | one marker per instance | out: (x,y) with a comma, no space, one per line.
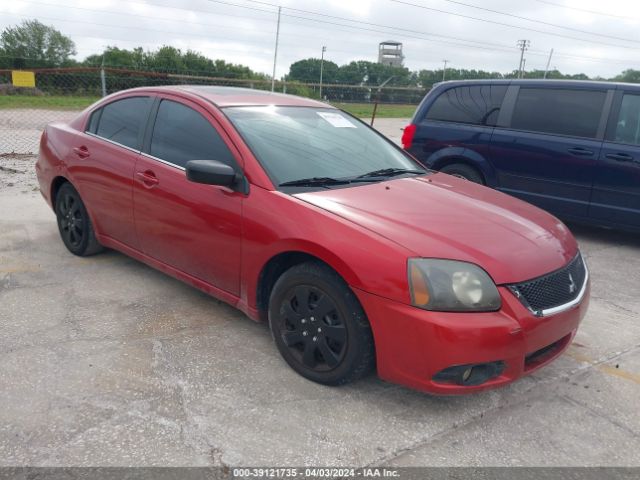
(211,172)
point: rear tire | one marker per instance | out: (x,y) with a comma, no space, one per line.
(319,326)
(466,172)
(74,223)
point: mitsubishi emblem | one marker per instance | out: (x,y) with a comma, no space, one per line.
(572,284)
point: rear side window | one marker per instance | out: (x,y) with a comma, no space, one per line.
(628,125)
(559,111)
(123,120)
(93,121)
(181,134)
(476,105)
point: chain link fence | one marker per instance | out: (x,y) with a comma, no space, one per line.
(59,94)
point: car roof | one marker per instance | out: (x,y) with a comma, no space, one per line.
(541,82)
(235,96)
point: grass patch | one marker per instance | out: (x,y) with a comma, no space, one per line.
(365,110)
(53,102)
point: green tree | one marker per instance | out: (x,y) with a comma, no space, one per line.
(630,76)
(33,44)
(120,58)
(308,71)
(354,73)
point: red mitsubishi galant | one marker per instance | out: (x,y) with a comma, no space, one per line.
(299,214)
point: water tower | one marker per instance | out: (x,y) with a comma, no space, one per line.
(390,53)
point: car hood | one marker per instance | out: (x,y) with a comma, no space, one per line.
(441,216)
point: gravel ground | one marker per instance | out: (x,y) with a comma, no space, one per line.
(20,129)
(17,172)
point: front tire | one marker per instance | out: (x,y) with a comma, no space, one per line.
(319,326)
(74,223)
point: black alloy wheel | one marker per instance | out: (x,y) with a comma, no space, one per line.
(74,223)
(319,326)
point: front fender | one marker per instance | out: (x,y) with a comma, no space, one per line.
(276,223)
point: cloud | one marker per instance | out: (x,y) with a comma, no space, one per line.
(242,31)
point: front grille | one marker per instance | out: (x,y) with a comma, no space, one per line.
(553,290)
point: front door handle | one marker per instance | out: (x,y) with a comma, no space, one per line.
(148,178)
(620,157)
(581,152)
(82,151)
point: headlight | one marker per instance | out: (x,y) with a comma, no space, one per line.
(451,286)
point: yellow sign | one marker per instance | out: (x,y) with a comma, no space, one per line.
(23,79)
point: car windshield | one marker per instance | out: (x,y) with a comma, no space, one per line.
(320,145)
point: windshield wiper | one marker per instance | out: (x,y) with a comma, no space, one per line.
(390,172)
(314,181)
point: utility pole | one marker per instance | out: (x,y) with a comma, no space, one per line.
(444,70)
(546,70)
(103,80)
(324,49)
(522,45)
(275,53)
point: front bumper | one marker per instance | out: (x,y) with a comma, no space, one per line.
(412,345)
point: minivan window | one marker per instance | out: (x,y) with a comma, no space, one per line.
(181,134)
(476,105)
(560,111)
(628,125)
(123,120)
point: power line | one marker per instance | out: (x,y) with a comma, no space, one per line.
(473,43)
(593,12)
(400,29)
(510,25)
(519,17)
(476,45)
(501,47)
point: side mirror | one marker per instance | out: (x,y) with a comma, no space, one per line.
(211,172)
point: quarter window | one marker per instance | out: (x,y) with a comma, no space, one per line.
(559,111)
(93,121)
(181,134)
(628,125)
(122,121)
(476,105)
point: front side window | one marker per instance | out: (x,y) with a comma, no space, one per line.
(475,105)
(559,111)
(628,125)
(181,134)
(123,121)
(294,143)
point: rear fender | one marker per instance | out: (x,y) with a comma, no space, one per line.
(451,155)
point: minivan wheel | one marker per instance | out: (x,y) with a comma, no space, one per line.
(461,170)
(74,223)
(319,326)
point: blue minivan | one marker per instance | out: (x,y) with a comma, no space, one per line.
(569,147)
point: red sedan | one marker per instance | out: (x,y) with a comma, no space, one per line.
(301,215)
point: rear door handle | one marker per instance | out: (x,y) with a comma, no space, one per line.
(581,152)
(619,157)
(82,151)
(148,178)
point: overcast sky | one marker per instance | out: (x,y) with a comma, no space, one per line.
(598,38)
